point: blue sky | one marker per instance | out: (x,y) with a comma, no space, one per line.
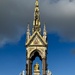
(60,58)
(59,16)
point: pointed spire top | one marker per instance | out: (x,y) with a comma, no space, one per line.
(36,22)
(44,27)
(44,32)
(28,29)
(36,3)
(28,32)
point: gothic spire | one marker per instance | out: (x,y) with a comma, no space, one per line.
(36,22)
(28,32)
(44,32)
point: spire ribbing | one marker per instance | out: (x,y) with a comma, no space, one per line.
(36,22)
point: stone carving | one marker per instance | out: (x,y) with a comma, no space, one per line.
(36,66)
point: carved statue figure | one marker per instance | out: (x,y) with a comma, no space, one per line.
(36,66)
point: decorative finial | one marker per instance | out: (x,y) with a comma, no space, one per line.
(28,32)
(44,32)
(36,3)
(28,27)
(44,27)
(36,22)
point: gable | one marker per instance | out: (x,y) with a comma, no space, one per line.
(36,39)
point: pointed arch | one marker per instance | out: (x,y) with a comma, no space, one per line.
(36,53)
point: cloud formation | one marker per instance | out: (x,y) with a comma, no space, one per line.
(59,16)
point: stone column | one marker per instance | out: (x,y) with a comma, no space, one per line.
(44,66)
(29,67)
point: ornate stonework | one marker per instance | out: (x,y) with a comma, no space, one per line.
(36,44)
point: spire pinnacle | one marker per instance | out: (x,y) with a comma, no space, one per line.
(44,32)
(36,3)
(36,22)
(28,32)
(44,27)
